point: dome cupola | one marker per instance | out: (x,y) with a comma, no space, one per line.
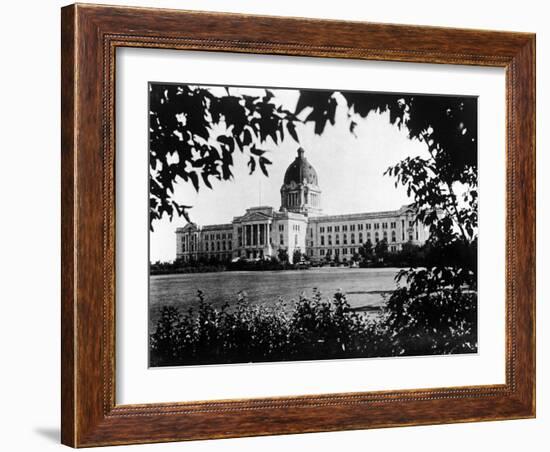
(300,191)
(300,171)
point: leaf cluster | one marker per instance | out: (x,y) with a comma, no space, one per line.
(194,134)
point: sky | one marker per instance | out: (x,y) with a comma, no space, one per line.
(349,168)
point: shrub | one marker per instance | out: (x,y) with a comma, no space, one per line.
(310,328)
(307,329)
(435,313)
(440,322)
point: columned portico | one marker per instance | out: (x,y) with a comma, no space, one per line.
(254,228)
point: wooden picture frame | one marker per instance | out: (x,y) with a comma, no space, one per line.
(90,36)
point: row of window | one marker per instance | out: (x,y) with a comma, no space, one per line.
(222,257)
(294,199)
(295,227)
(222,236)
(322,229)
(208,246)
(337,252)
(360,238)
(282,239)
(223,245)
(360,226)
(345,251)
(218,246)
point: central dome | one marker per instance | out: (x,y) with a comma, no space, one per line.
(300,170)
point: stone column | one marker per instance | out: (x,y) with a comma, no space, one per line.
(262,234)
(267,244)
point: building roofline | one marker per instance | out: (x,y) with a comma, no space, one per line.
(208,227)
(217,226)
(260,208)
(298,216)
(350,216)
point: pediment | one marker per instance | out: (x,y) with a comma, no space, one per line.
(255,216)
(190,227)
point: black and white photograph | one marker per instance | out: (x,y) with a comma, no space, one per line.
(295,224)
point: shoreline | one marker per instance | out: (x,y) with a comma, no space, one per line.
(194,270)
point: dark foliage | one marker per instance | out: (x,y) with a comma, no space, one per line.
(381,249)
(433,312)
(444,187)
(436,306)
(305,330)
(193,135)
(366,251)
(282,255)
(185,139)
(215,265)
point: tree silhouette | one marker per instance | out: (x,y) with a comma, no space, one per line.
(297,256)
(282,255)
(381,249)
(193,135)
(439,302)
(366,251)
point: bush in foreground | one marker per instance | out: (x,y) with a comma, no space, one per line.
(311,328)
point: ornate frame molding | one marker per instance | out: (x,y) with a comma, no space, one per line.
(90,37)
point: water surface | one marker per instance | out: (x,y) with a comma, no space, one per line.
(364,287)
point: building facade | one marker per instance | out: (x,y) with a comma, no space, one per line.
(299,224)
